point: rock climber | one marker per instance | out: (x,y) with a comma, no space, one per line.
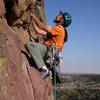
(58,35)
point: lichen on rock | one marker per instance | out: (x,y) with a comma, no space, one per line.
(2,62)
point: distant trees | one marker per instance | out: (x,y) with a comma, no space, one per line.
(79,94)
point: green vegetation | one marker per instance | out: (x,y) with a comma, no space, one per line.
(79,87)
(78,94)
(2,62)
(92,77)
(1,33)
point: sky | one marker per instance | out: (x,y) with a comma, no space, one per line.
(81,54)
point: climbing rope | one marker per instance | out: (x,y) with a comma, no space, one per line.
(55,84)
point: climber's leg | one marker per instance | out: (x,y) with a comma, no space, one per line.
(37,52)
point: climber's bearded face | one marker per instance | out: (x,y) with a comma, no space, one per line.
(58,19)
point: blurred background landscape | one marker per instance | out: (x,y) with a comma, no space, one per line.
(79,87)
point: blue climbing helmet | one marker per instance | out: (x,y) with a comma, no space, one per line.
(67,18)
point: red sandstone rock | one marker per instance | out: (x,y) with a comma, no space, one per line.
(18,80)
(2,8)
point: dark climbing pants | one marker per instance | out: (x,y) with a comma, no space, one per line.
(38,52)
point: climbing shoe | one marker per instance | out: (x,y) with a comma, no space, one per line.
(44,73)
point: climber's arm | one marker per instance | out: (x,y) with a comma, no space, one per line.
(40,24)
(38,30)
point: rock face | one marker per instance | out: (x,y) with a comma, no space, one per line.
(18,79)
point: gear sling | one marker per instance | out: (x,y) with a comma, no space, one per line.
(52,61)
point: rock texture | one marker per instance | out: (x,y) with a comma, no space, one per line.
(19,80)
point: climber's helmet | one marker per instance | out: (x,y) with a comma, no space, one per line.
(67,18)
